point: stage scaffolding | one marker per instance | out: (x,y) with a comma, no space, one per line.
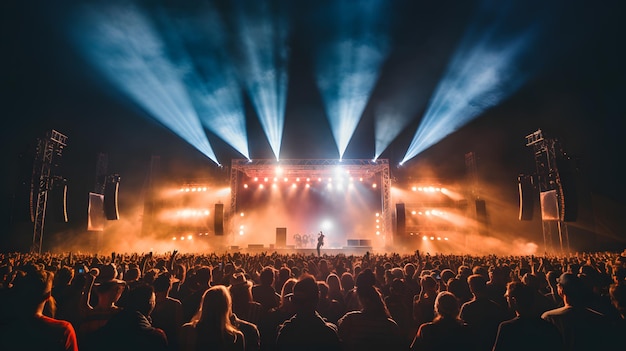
(315,168)
(45,177)
(548,154)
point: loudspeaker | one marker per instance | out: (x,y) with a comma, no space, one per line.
(111,211)
(57,204)
(95,212)
(218,219)
(400,220)
(526,197)
(481,211)
(569,196)
(281,237)
(549,205)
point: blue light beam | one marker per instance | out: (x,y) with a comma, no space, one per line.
(122,43)
(263,38)
(486,68)
(348,65)
(199,40)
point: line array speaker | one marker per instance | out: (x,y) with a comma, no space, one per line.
(111,211)
(218,219)
(526,197)
(400,220)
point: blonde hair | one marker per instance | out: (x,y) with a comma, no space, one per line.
(215,311)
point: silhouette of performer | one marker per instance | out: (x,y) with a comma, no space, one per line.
(320,242)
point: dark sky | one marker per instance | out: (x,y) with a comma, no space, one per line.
(575,94)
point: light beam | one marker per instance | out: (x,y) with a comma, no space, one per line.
(123,44)
(486,68)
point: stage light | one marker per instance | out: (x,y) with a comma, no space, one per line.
(294,185)
(265,179)
(256,179)
(424,238)
(174,238)
(245,186)
(413,212)
(432,238)
(486,68)
(308,186)
(241,214)
(182,238)
(263,35)
(127,49)
(347,65)
(261,186)
(189,237)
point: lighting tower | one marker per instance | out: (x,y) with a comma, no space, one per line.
(552,183)
(48,154)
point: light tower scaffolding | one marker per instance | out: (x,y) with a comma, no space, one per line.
(548,152)
(314,168)
(49,152)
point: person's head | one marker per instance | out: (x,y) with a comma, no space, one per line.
(520,297)
(409,270)
(347,281)
(141,299)
(371,300)
(306,294)
(323,287)
(215,310)
(267,276)
(334,283)
(203,276)
(132,274)
(107,272)
(162,283)
(240,289)
(429,285)
(446,306)
(572,288)
(32,289)
(63,276)
(109,291)
(365,278)
(477,284)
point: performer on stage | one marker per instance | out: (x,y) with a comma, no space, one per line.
(320,242)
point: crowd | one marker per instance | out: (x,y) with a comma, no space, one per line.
(271,301)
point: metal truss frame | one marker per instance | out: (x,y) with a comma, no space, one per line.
(48,149)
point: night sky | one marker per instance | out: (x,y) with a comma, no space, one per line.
(573,89)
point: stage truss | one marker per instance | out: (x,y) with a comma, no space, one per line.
(314,168)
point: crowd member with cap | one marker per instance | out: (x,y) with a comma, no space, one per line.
(581,328)
(108,291)
(307,330)
(244,307)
